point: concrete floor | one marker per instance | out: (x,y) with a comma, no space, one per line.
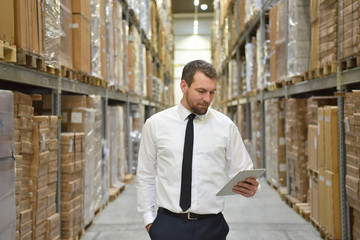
(265,216)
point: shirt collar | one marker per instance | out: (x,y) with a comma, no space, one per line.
(184,113)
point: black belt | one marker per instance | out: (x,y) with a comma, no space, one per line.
(188,215)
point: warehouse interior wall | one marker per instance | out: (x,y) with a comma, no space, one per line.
(188,46)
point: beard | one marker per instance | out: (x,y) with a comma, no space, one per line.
(199,109)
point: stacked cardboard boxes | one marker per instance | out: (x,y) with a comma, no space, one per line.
(72,184)
(44,177)
(296,135)
(298,39)
(312,149)
(256,132)
(329,213)
(275,142)
(251,66)
(352,141)
(66,38)
(314,43)
(349,28)
(328,22)
(28,27)
(8,221)
(23,135)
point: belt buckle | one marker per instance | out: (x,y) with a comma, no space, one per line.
(189,217)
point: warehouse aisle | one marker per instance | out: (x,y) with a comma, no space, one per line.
(263,217)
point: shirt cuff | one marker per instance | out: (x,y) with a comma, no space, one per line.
(148,217)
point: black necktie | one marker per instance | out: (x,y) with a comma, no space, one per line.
(185,194)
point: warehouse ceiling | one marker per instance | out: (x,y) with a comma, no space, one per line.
(187,6)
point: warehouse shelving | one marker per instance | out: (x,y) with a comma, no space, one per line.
(27,80)
(335,83)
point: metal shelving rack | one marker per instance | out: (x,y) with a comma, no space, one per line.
(334,83)
(17,77)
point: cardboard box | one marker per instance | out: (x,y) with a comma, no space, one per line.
(333,196)
(323,207)
(312,147)
(66,53)
(314,197)
(7,21)
(81,7)
(321,139)
(81,44)
(331,139)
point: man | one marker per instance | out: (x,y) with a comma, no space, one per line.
(185,190)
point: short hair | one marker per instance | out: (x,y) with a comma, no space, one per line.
(192,67)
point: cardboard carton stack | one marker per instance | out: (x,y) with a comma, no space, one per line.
(352,141)
(134,61)
(328,165)
(241,120)
(66,37)
(44,177)
(349,28)
(296,135)
(72,184)
(251,66)
(314,43)
(28,33)
(256,133)
(8,221)
(328,13)
(298,39)
(81,36)
(23,136)
(312,149)
(275,142)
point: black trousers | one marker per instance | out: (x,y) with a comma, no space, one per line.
(168,227)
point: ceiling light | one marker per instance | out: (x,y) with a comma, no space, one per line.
(196,2)
(204,7)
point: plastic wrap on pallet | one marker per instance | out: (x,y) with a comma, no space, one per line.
(125,40)
(99,177)
(118,50)
(260,60)
(299,36)
(109,28)
(89,205)
(250,65)
(52,32)
(142,70)
(256,133)
(275,142)
(251,8)
(117,146)
(7,167)
(145,17)
(95,23)
(66,36)
(135,6)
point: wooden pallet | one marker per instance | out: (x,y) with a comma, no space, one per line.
(313,173)
(282,192)
(128,178)
(303,209)
(68,73)
(293,80)
(310,75)
(349,62)
(7,52)
(291,201)
(53,70)
(274,85)
(315,223)
(30,60)
(326,69)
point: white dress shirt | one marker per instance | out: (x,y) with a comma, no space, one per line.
(218,154)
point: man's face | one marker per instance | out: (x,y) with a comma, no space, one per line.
(198,97)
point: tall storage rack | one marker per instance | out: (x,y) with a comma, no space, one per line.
(334,83)
(30,81)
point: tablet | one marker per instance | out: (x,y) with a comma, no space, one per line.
(241,176)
